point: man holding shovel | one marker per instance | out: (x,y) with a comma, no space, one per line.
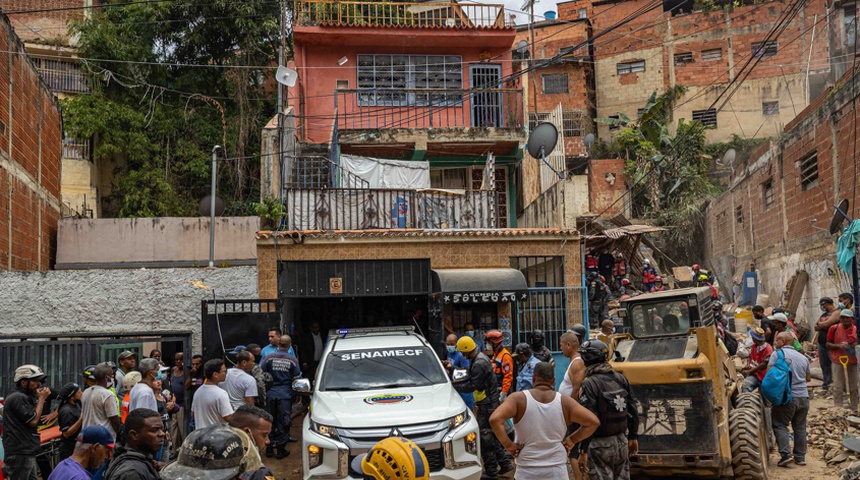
(841,340)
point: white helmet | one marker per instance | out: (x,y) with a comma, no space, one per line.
(29,372)
(646,262)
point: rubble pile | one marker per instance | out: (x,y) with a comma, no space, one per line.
(828,430)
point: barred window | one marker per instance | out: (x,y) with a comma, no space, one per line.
(712,55)
(809,171)
(555,83)
(764,49)
(683,58)
(396,77)
(769,108)
(630,67)
(707,117)
(767,193)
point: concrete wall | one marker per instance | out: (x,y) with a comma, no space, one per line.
(156,242)
(559,206)
(115,301)
(742,227)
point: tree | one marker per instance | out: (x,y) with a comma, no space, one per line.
(672,168)
(169,81)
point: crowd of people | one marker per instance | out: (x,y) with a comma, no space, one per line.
(127,420)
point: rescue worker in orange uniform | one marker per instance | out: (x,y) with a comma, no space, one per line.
(503,362)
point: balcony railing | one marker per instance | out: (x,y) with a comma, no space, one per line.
(372,208)
(399,14)
(76,150)
(65,82)
(429,108)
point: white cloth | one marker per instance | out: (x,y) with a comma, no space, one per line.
(540,431)
(566,387)
(98,405)
(318,346)
(142,396)
(211,404)
(384,173)
(238,385)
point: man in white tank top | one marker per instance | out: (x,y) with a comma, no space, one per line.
(573,377)
(541,417)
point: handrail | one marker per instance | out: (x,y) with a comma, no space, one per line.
(401,14)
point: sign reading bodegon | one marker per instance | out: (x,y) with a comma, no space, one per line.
(485,297)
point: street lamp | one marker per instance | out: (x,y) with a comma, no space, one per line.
(215,150)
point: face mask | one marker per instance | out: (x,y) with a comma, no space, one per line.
(841,305)
(470,333)
(161,376)
(822,308)
(451,348)
(614,329)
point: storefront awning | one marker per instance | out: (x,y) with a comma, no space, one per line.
(480,285)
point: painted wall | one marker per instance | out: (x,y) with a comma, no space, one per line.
(115,301)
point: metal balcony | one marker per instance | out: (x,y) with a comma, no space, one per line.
(429,108)
(446,15)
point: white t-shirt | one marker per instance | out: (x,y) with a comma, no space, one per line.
(238,385)
(98,405)
(211,404)
(142,396)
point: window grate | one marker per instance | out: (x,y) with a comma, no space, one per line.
(739,214)
(764,49)
(809,171)
(555,83)
(583,13)
(707,117)
(712,55)
(767,193)
(770,108)
(398,73)
(849,24)
(683,58)
(630,67)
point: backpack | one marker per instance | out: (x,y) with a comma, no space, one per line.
(776,386)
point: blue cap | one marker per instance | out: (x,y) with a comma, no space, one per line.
(239,348)
(96,434)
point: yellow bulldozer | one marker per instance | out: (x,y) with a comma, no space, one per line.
(693,419)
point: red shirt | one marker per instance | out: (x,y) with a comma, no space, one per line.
(839,334)
(760,355)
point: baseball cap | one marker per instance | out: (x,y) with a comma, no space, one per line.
(96,434)
(125,354)
(212,453)
(778,317)
(846,313)
(239,348)
(68,391)
(757,334)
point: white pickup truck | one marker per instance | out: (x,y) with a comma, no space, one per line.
(374,383)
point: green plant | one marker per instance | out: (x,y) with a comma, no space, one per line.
(271,209)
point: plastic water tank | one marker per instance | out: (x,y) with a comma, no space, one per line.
(550,15)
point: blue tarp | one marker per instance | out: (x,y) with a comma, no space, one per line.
(846,249)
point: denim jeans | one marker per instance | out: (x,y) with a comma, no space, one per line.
(826,365)
(751,383)
(793,414)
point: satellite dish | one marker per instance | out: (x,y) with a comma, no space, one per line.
(839,216)
(207,202)
(588,141)
(542,140)
(286,76)
(522,47)
(729,157)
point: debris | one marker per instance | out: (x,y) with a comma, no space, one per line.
(852,443)
(851,473)
(836,433)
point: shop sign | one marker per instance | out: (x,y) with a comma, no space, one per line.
(485,297)
(335,286)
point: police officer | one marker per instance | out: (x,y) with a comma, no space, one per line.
(606,393)
(482,381)
(539,349)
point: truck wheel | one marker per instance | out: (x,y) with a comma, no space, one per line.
(749,399)
(749,451)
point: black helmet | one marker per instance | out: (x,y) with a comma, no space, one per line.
(717,305)
(88,372)
(580,330)
(523,349)
(214,453)
(593,352)
(536,333)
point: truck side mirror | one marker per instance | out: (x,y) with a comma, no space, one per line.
(459,375)
(621,312)
(302,386)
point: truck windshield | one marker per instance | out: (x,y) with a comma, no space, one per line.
(669,317)
(396,367)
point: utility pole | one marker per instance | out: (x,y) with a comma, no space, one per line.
(282,15)
(215,150)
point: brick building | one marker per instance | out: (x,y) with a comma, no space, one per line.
(780,202)
(702,51)
(30,149)
(47,39)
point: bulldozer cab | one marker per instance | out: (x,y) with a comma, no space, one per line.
(686,386)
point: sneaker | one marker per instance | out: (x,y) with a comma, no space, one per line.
(784,462)
(282,453)
(270,451)
(799,461)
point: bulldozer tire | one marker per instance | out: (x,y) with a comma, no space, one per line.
(749,451)
(749,399)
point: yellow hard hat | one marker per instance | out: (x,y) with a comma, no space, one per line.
(466,344)
(396,457)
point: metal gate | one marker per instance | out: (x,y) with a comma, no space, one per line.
(228,323)
(554,310)
(486,106)
(64,357)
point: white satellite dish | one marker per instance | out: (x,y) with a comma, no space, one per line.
(286,76)
(729,157)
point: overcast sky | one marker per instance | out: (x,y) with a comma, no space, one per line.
(513,6)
